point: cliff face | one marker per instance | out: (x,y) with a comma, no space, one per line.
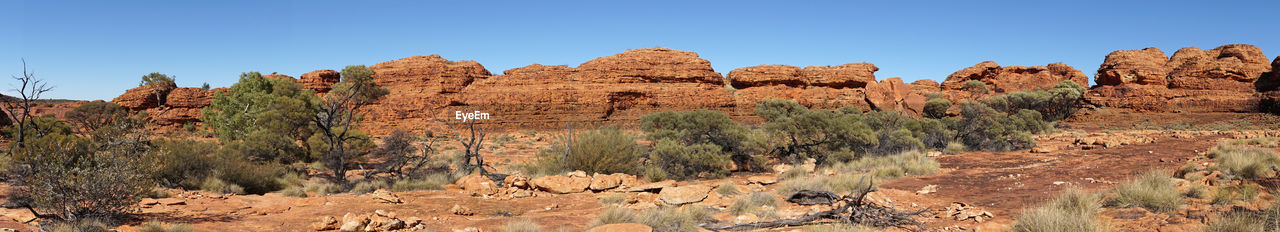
(623,87)
(1193,80)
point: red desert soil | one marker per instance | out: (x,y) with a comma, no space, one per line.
(1003,183)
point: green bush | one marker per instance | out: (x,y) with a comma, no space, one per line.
(1244,162)
(96,114)
(727,188)
(706,127)
(936,108)
(681,162)
(75,178)
(213,184)
(1154,191)
(982,127)
(1072,211)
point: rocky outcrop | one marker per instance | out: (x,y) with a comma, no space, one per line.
(279,76)
(652,65)
(766,75)
(1229,67)
(1009,79)
(320,81)
(188,98)
(1144,67)
(923,86)
(822,87)
(1223,79)
(893,95)
(419,87)
(143,97)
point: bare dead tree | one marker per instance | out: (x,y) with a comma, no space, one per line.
(401,158)
(568,141)
(29,91)
(336,115)
(851,209)
(471,137)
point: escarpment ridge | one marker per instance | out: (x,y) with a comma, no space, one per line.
(622,87)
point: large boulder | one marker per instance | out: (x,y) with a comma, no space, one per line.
(1228,67)
(765,75)
(1140,66)
(433,74)
(166,116)
(893,95)
(143,97)
(851,75)
(561,184)
(1269,81)
(188,98)
(684,194)
(320,81)
(1015,78)
(477,184)
(650,65)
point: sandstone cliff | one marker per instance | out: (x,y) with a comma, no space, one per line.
(1192,80)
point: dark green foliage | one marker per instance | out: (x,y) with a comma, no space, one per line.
(192,164)
(279,107)
(698,127)
(604,150)
(976,87)
(75,178)
(156,78)
(983,128)
(936,108)
(96,114)
(681,161)
(1054,104)
(800,133)
(39,127)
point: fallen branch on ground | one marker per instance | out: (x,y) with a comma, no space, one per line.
(852,209)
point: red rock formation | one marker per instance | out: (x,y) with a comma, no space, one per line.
(279,76)
(143,97)
(618,88)
(1143,67)
(1014,78)
(1270,81)
(320,80)
(923,86)
(766,75)
(1229,67)
(1193,80)
(188,98)
(417,85)
(851,75)
(894,95)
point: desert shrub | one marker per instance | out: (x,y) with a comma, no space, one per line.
(321,187)
(521,226)
(892,166)
(955,147)
(1153,190)
(214,184)
(1235,192)
(1074,210)
(614,216)
(1198,191)
(794,173)
(681,161)
(155,226)
(668,219)
(85,225)
(840,184)
(752,203)
(799,133)
(936,108)
(1241,220)
(699,127)
(425,182)
(278,107)
(605,150)
(727,188)
(976,87)
(74,178)
(982,127)
(96,114)
(615,198)
(184,163)
(1244,162)
(368,186)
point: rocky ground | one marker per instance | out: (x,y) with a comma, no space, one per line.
(1000,184)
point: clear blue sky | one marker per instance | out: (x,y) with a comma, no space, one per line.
(97,49)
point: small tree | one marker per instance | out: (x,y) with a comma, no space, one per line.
(976,88)
(336,115)
(937,107)
(401,157)
(18,110)
(97,114)
(471,137)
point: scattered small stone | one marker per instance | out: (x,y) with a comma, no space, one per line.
(461,210)
(927,189)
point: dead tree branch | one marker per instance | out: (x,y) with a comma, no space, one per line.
(850,209)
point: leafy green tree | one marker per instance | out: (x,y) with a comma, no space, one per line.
(156,78)
(800,133)
(336,116)
(269,115)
